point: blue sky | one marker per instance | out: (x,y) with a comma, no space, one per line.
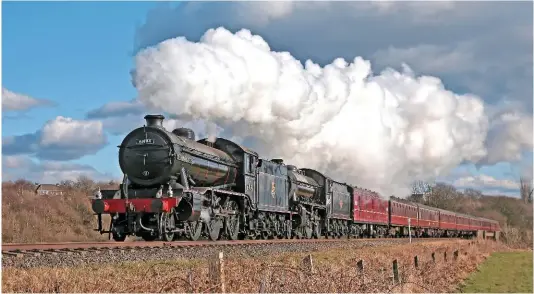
(77,58)
(75,54)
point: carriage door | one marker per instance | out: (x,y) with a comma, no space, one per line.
(249,168)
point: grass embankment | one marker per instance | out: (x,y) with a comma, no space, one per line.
(335,271)
(502,272)
(30,218)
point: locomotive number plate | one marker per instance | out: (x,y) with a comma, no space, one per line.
(144,141)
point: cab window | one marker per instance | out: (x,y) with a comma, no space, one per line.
(249,164)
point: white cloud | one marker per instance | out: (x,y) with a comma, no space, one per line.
(479,47)
(12,101)
(510,136)
(67,132)
(17,161)
(119,117)
(117,108)
(60,139)
(487,183)
(118,125)
(382,130)
(23,167)
(263,12)
(429,58)
(267,11)
(421,11)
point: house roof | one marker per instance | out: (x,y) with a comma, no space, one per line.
(109,187)
(50,187)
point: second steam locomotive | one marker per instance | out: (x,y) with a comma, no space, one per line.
(175,186)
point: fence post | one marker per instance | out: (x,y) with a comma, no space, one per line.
(434,257)
(221,272)
(216,271)
(359,264)
(190,280)
(456,255)
(212,271)
(395,271)
(308,262)
(410,229)
(263,282)
(445,255)
(416,261)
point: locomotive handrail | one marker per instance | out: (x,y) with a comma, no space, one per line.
(145,146)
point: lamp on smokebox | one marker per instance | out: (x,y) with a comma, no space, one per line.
(160,192)
(98,193)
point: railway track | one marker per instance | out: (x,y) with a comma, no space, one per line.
(21,250)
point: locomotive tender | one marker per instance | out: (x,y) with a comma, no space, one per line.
(175,186)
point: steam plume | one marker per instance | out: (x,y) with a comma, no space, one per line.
(377,131)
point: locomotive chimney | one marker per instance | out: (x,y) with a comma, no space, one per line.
(154,120)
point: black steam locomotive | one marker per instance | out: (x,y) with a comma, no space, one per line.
(175,186)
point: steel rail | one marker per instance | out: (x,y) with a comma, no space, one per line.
(20,249)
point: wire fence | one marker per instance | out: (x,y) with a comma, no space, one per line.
(429,272)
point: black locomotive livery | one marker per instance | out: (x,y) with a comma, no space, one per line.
(176,187)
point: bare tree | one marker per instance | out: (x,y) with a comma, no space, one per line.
(443,196)
(473,193)
(84,183)
(420,191)
(23,185)
(526,189)
(67,183)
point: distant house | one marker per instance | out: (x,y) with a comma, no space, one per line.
(109,187)
(49,190)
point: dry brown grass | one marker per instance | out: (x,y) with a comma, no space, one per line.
(516,238)
(29,218)
(335,271)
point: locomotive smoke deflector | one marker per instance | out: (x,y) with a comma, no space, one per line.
(154,120)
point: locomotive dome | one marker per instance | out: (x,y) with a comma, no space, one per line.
(184,132)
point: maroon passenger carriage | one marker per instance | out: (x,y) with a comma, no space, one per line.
(370,214)
(428,221)
(403,214)
(447,223)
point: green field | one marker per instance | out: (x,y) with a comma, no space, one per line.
(504,272)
